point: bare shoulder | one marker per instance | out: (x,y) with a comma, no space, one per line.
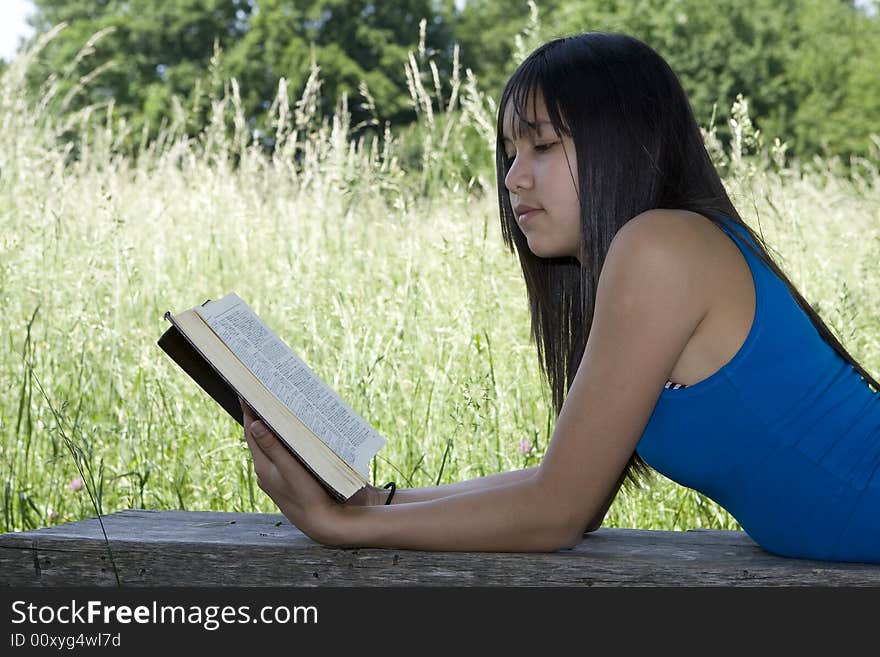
(649,301)
(687,235)
(675,248)
(684,245)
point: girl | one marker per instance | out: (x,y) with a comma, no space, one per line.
(668,336)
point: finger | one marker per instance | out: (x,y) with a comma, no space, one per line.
(263,465)
(246,412)
(272,478)
(270,448)
(268,443)
(254,426)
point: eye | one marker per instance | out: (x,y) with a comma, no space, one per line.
(543,148)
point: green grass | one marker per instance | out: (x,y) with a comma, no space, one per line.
(392,285)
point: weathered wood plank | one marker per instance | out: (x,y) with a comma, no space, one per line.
(192,548)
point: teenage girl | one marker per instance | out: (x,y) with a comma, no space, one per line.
(668,336)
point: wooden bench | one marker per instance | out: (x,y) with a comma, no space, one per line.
(197,548)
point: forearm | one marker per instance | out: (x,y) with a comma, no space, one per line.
(408,495)
(512,517)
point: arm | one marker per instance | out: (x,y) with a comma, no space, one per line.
(476,517)
(508,517)
(374,496)
(649,302)
(596,522)
(406,495)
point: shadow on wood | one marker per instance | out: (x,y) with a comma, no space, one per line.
(202,548)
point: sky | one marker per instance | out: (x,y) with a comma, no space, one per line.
(13,25)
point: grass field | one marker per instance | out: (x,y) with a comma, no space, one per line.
(392,284)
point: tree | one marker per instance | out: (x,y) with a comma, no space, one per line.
(806,66)
(350,40)
(148,51)
(486,31)
(156,50)
(833,77)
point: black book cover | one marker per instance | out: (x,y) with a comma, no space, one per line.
(175,344)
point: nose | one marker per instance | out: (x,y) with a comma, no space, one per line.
(519,176)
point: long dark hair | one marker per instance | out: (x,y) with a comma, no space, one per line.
(638,147)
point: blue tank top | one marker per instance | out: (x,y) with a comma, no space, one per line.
(785,436)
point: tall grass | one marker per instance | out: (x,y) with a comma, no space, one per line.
(390,281)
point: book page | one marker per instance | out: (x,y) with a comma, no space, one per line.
(292,382)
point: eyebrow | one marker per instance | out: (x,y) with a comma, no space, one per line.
(535,127)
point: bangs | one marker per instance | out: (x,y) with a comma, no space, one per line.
(528,82)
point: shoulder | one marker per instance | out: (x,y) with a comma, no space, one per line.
(679,234)
(666,255)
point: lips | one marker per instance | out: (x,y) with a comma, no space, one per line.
(522,209)
(524,212)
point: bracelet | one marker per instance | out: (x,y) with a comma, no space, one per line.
(393,488)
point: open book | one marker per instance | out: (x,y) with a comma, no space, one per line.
(225,347)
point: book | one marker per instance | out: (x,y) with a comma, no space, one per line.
(230,352)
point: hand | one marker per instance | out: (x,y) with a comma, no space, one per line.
(289,484)
(368,496)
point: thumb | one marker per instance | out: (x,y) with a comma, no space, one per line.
(265,445)
(261,434)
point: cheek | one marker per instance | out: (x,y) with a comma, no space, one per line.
(572,222)
(565,179)
(568,205)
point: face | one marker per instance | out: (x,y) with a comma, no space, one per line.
(542,182)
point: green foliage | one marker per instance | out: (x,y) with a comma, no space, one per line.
(147,51)
(833,76)
(155,51)
(806,67)
(486,30)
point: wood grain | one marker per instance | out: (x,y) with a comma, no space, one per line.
(200,548)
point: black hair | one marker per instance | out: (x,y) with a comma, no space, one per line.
(638,147)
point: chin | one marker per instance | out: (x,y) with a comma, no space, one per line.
(549,250)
